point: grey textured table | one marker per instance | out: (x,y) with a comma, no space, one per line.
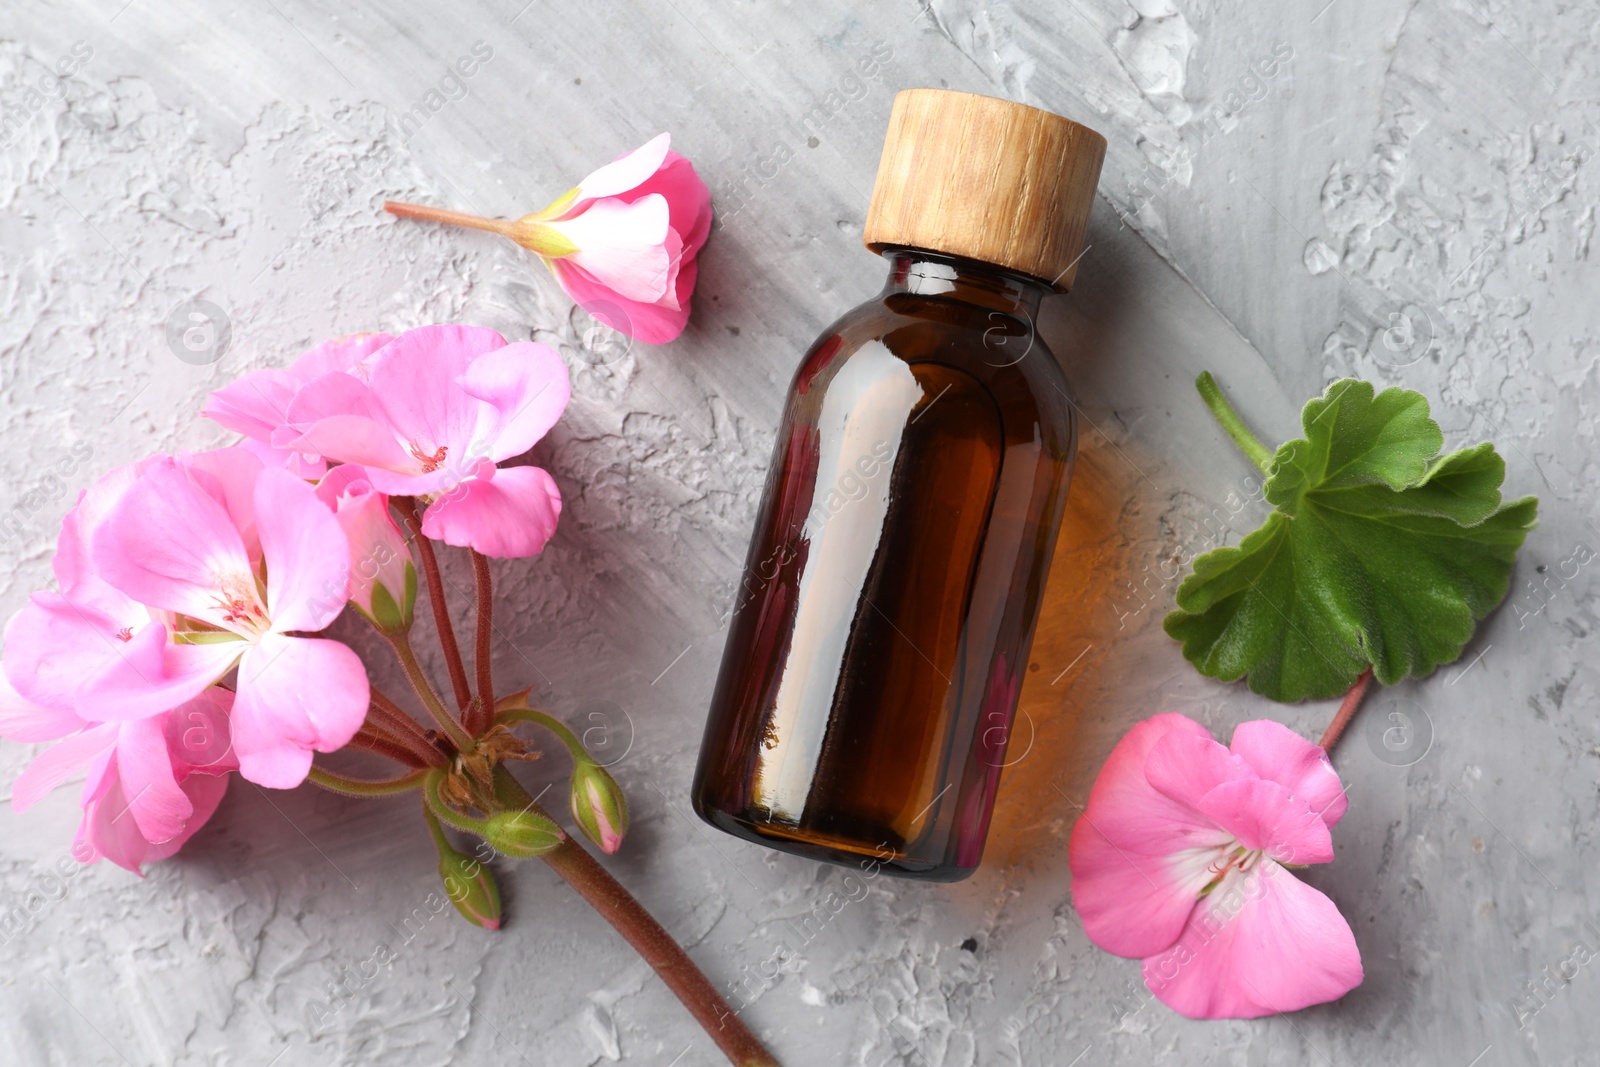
(1409,196)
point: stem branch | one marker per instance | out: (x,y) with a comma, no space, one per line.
(430,700)
(551,723)
(424,752)
(1211,393)
(364,787)
(368,739)
(483,711)
(441,608)
(395,718)
(439,838)
(1347,709)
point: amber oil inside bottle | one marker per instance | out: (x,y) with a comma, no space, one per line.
(882,627)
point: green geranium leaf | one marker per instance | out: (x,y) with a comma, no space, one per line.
(1381,553)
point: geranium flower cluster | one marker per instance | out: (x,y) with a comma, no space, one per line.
(179,643)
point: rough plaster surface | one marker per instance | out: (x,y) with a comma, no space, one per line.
(1409,196)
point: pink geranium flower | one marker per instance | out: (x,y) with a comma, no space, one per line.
(241,565)
(149,783)
(634,228)
(256,403)
(61,644)
(623,243)
(442,406)
(1179,860)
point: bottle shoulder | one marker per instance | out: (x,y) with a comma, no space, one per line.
(1003,352)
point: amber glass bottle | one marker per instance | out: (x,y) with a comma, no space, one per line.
(882,627)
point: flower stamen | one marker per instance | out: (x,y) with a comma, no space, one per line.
(239,602)
(430,462)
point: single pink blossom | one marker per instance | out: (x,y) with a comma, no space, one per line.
(623,243)
(149,783)
(383,580)
(256,403)
(1179,860)
(243,562)
(635,227)
(63,643)
(442,407)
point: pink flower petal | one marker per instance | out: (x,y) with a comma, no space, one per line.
(347,439)
(1262,942)
(58,763)
(109,831)
(688,197)
(609,292)
(1139,859)
(149,674)
(254,403)
(229,476)
(1265,815)
(338,416)
(328,395)
(54,643)
(623,246)
(1184,767)
(144,765)
(414,382)
(24,721)
(345,478)
(307,555)
(168,543)
(1279,754)
(200,734)
(73,568)
(653,324)
(348,353)
(379,554)
(528,385)
(307,465)
(506,513)
(295,694)
(624,173)
(257,403)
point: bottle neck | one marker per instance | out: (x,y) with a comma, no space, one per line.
(923,273)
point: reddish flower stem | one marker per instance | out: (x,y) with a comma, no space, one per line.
(397,718)
(453,218)
(1347,710)
(481,714)
(423,752)
(369,740)
(424,690)
(441,608)
(648,937)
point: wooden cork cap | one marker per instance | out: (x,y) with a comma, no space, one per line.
(986,179)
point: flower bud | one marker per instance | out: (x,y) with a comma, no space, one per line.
(522,834)
(598,805)
(383,580)
(471,887)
